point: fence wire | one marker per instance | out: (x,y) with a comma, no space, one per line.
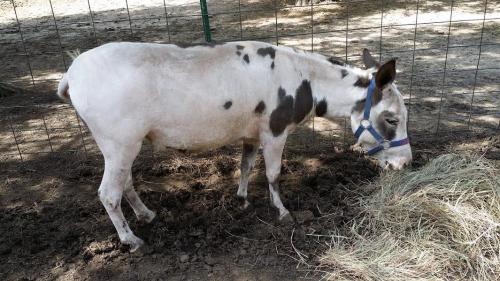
(443,94)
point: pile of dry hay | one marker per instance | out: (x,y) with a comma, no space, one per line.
(441,222)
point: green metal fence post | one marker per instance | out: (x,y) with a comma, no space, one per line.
(206,22)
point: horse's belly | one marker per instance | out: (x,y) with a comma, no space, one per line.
(203,134)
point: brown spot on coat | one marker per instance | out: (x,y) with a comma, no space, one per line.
(272,65)
(281,93)
(238,49)
(362,82)
(359,106)
(261,106)
(282,116)
(303,101)
(228,104)
(321,108)
(344,73)
(334,61)
(267,51)
(246,58)
(289,111)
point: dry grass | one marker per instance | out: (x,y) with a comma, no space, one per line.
(441,222)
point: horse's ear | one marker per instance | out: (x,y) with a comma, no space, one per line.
(386,74)
(368,60)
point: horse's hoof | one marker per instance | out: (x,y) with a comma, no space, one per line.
(147,217)
(243,203)
(135,247)
(286,219)
(134,243)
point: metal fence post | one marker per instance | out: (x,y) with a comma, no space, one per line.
(206,22)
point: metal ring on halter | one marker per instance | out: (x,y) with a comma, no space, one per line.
(386,144)
(366,123)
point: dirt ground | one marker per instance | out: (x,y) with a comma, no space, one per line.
(55,228)
(52,225)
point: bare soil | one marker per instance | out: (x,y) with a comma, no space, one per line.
(55,228)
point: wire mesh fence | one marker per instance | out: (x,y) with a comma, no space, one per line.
(448,56)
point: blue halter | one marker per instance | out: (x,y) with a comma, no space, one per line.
(366,124)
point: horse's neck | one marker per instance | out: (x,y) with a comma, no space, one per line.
(341,87)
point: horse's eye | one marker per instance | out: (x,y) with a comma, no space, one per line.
(391,121)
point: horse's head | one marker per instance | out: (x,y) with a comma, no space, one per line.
(379,121)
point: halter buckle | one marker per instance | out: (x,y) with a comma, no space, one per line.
(386,144)
(365,123)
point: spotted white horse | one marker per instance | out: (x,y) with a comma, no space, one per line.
(205,96)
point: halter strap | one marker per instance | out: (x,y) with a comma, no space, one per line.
(366,124)
(368,102)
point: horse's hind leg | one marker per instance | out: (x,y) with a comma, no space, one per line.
(272,148)
(247,162)
(118,159)
(141,211)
